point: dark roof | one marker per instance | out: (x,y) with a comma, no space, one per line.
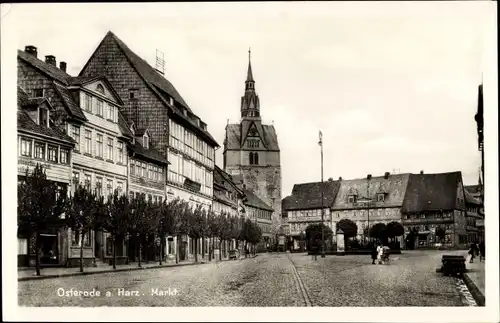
(233,136)
(221,177)
(393,187)
(469,199)
(140,131)
(80,80)
(68,101)
(254,201)
(474,189)
(151,153)
(123,125)
(308,195)
(431,192)
(158,84)
(50,70)
(24,122)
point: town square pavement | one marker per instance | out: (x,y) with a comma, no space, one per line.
(268,280)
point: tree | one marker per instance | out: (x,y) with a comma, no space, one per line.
(314,235)
(84,216)
(141,221)
(349,228)
(117,221)
(196,228)
(379,231)
(440,233)
(221,230)
(40,207)
(394,229)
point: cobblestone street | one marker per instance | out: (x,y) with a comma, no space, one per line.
(267,280)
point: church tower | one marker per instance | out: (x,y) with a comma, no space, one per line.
(251,150)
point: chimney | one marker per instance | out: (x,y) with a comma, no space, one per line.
(340,178)
(369,177)
(421,172)
(62,66)
(386,175)
(31,50)
(50,59)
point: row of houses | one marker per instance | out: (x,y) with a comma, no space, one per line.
(420,202)
(118,125)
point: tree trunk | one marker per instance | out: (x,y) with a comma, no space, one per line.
(82,235)
(161,249)
(220,249)
(140,252)
(37,253)
(195,250)
(177,249)
(208,249)
(114,252)
(203,248)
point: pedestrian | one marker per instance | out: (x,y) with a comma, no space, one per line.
(472,251)
(481,251)
(380,251)
(374,254)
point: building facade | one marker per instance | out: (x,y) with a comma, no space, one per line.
(40,142)
(152,102)
(261,214)
(251,149)
(370,200)
(436,200)
(303,208)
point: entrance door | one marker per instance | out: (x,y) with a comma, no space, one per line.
(182,250)
(49,253)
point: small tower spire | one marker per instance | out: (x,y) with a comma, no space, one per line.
(249,72)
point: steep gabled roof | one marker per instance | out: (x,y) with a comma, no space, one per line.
(157,83)
(122,124)
(431,192)
(267,133)
(469,199)
(69,102)
(25,123)
(254,201)
(308,195)
(151,154)
(50,70)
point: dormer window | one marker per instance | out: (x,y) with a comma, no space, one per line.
(145,141)
(380,197)
(132,94)
(43,117)
(351,199)
(171,101)
(185,111)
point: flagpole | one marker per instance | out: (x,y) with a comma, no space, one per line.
(322,208)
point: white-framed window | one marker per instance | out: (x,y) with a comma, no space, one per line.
(52,153)
(120,153)
(109,186)
(26,147)
(100,107)
(99,146)
(64,156)
(144,173)
(88,141)
(110,149)
(111,112)
(75,134)
(88,181)
(380,197)
(119,187)
(87,102)
(98,186)
(39,150)
(76,180)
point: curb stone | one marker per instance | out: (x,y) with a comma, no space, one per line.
(476,293)
(85,273)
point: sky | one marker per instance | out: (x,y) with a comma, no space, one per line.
(392,86)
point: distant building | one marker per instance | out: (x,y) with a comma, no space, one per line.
(251,149)
(40,142)
(434,200)
(303,207)
(474,218)
(261,214)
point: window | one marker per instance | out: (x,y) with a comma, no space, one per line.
(87,102)
(145,141)
(132,94)
(132,168)
(98,186)
(350,199)
(39,150)
(109,186)
(75,134)
(119,187)
(111,112)
(76,180)
(144,173)
(52,153)
(64,156)
(99,145)
(110,149)
(160,199)
(160,174)
(100,88)
(88,141)
(380,197)
(88,181)
(38,93)
(26,147)
(43,117)
(99,107)
(138,170)
(120,152)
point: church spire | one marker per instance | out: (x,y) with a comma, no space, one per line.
(249,72)
(250,105)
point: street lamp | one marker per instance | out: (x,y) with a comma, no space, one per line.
(322,208)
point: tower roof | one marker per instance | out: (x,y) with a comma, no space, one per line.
(249,71)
